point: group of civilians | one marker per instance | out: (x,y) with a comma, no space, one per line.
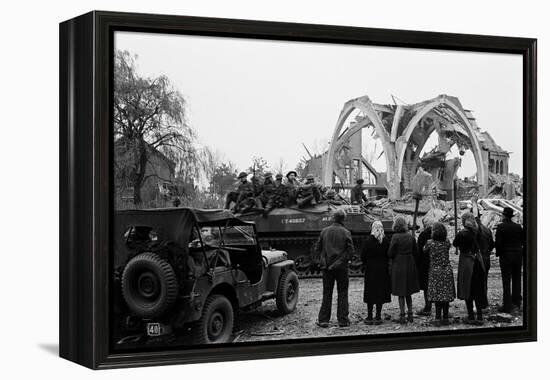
(404,265)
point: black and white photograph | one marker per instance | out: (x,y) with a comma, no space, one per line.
(286,191)
(275,190)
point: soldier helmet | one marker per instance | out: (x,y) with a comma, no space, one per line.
(242,174)
(310,177)
(279,176)
(331,193)
(291,172)
(268,175)
(360,181)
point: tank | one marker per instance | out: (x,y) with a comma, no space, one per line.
(296,230)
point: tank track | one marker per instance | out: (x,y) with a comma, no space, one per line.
(300,250)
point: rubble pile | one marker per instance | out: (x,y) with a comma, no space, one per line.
(491,219)
(506,186)
(443,211)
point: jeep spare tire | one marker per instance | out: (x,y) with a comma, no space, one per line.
(149,285)
(287,292)
(216,323)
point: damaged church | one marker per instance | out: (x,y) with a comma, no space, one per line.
(403,131)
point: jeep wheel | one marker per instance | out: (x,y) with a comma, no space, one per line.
(287,292)
(216,323)
(149,285)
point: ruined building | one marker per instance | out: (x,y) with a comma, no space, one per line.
(403,131)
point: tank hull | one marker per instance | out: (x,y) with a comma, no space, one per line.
(296,231)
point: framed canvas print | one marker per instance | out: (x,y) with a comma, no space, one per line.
(236,190)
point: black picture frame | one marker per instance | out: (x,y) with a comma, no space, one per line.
(86,59)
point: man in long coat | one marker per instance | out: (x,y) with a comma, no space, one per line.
(509,249)
(334,249)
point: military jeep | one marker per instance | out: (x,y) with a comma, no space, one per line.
(183,269)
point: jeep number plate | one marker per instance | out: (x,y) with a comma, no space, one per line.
(154,329)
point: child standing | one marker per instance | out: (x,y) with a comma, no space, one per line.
(441,285)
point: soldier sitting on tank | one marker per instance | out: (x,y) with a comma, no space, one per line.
(357,195)
(268,193)
(242,195)
(291,185)
(233,196)
(308,193)
(257,186)
(333,198)
(279,192)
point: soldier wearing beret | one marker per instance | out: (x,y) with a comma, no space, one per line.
(308,193)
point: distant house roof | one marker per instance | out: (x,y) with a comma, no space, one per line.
(488,143)
(153,152)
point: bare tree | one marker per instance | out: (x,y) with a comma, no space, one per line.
(210,161)
(281,166)
(149,116)
(259,166)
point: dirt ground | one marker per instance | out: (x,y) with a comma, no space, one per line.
(265,323)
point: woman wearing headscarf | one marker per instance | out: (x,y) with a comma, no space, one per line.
(422,260)
(471,270)
(404,279)
(374,254)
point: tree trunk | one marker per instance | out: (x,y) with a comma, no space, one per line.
(137,195)
(141,165)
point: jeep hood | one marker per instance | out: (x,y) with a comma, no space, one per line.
(273,256)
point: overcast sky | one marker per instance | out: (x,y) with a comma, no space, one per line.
(265,98)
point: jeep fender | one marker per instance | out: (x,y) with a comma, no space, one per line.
(274,271)
(191,309)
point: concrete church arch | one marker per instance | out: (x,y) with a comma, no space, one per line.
(413,123)
(364,105)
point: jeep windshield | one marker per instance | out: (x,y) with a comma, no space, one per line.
(223,237)
(238,235)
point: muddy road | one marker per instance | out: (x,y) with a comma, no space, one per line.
(265,323)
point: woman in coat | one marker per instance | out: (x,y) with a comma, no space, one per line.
(422,260)
(471,271)
(404,279)
(374,254)
(441,283)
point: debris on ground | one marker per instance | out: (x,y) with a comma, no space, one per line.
(502,317)
(301,323)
